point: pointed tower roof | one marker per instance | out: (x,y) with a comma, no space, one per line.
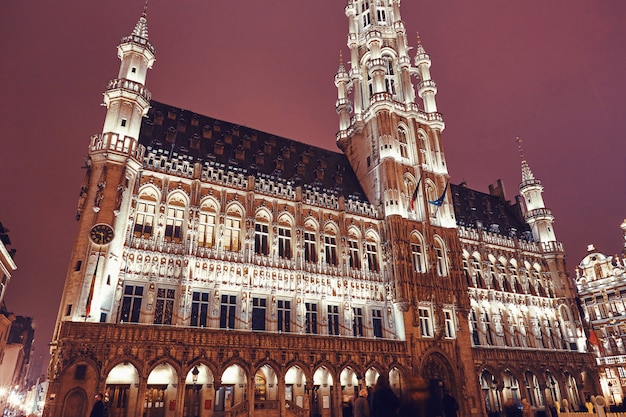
(341,72)
(141,28)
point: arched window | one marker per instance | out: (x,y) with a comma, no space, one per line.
(330,245)
(354,252)
(310,245)
(232,229)
(262,233)
(371,250)
(403,143)
(175,219)
(284,237)
(417,253)
(390,78)
(207,220)
(145,214)
(440,253)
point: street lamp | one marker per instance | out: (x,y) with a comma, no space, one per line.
(194,374)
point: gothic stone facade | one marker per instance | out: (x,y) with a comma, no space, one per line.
(220,270)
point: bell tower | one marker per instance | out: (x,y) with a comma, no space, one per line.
(112,167)
(390,135)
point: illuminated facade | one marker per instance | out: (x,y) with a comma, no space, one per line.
(601,288)
(220,270)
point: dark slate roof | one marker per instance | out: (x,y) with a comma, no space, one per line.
(475,209)
(206,139)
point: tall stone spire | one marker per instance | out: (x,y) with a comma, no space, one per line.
(536,214)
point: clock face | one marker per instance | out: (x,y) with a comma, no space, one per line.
(101,234)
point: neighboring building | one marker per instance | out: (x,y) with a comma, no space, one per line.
(15,366)
(7,263)
(601,281)
(220,270)
(7,266)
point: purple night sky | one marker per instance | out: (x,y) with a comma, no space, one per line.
(551,72)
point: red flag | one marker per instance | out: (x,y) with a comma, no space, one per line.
(414,196)
(593,339)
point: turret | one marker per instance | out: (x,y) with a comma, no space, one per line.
(343,104)
(538,217)
(115,158)
(427,89)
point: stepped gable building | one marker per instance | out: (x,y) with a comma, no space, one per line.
(222,271)
(601,279)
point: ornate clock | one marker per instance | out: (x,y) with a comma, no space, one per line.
(101,234)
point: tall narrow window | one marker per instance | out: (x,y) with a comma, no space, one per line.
(164,306)
(390,82)
(206,226)
(381,16)
(144,219)
(199,308)
(284,241)
(372,256)
(174,222)
(261,238)
(441,259)
(404,146)
(232,231)
(333,320)
(450,327)
(330,248)
(259,306)
(227,311)
(377,322)
(284,316)
(310,248)
(131,304)
(311,318)
(355,257)
(357,324)
(473,322)
(426,325)
(417,254)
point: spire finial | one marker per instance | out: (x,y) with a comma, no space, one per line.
(527,174)
(145,9)
(419,39)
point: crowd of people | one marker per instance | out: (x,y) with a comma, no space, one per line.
(422,399)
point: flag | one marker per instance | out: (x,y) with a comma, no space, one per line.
(91,288)
(414,196)
(439,202)
(593,339)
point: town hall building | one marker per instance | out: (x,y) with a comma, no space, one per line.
(219,270)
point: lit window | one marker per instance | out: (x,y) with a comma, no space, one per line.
(164,306)
(144,219)
(232,231)
(174,221)
(206,226)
